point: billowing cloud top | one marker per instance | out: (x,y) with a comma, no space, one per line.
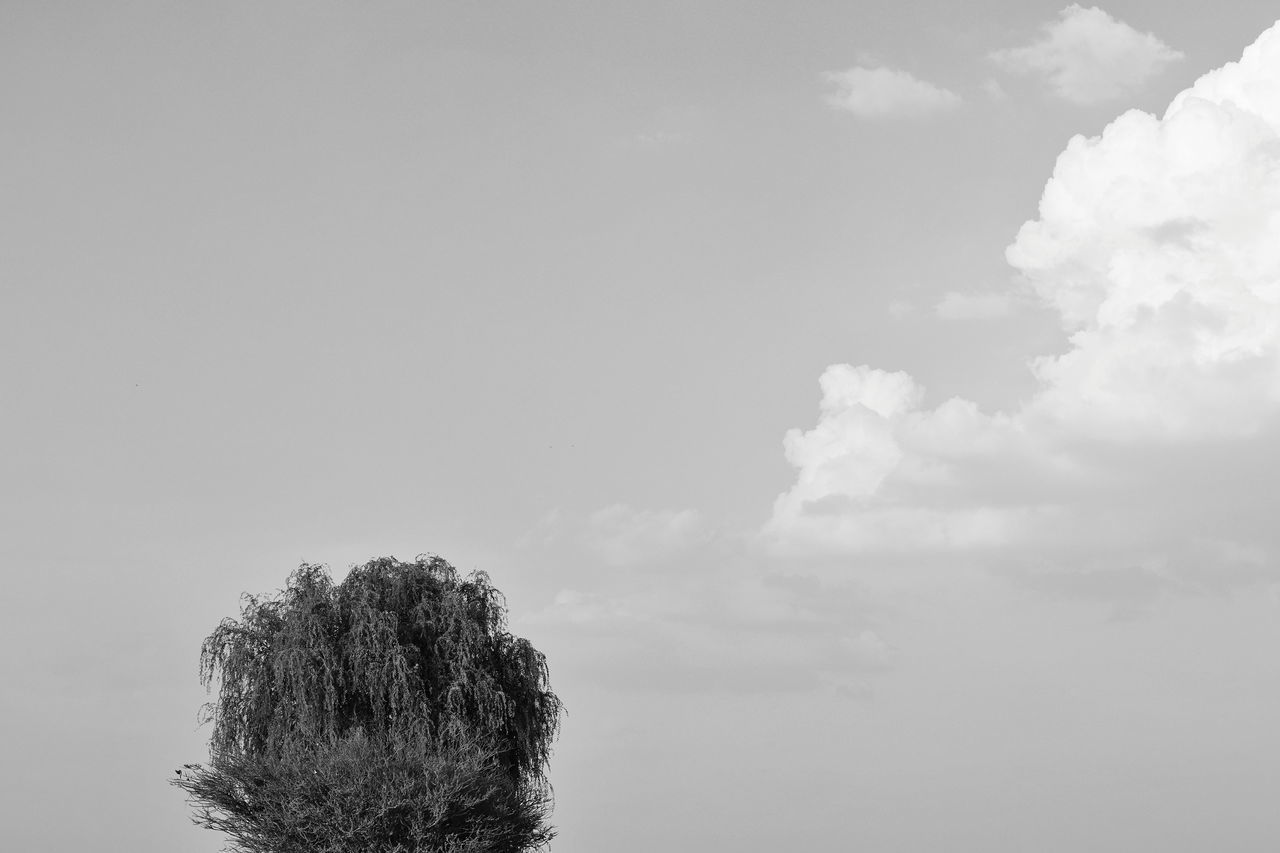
(1158,244)
(1088,56)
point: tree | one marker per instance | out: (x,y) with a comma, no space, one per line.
(390,713)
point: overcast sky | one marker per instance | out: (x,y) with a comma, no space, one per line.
(871,409)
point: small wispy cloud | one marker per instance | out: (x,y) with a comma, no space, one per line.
(900,308)
(621,536)
(974,305)
(887,93)
(1087,56)
(655,139)
(992,89)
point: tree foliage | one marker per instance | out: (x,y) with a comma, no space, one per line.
(390,713)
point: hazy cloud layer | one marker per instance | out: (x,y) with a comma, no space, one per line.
(1088,56)
(620,536)
(1149,444)
(887,93)
(690,611)
(974,305)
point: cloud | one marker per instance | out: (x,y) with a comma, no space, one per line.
(887,93)
(1149,445)
(993,90)
(900,308)
(984,305)
(691,612)
(732,631)
(1087,56)
(1126,591)
(658,139)
(619,535)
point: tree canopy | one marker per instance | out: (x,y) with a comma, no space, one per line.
(390,713)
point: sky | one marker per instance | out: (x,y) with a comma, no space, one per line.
(870,409)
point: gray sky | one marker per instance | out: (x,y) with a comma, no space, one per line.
(870,409)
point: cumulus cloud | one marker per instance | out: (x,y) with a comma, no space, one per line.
(887,93)
(982,305)
(1144,453)
(1087,56)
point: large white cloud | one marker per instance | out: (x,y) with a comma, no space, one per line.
(1088,56)
(1158,244)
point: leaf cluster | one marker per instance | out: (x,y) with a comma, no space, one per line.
(358,796)
(391,709)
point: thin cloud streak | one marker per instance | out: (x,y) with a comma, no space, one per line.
(976,305)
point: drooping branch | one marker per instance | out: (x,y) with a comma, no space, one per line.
(408,659)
